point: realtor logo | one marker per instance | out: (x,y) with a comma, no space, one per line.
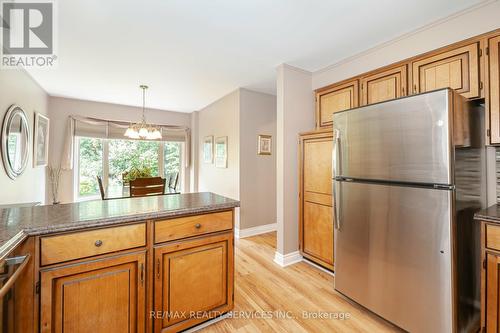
(28,34)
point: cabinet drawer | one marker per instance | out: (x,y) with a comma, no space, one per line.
(493,237)
(83,244)
(183,227)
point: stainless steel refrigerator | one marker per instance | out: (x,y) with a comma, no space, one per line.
(408,176)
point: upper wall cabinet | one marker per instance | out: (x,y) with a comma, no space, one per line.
(334,99)
(384,85)
(494,88)
(457,68)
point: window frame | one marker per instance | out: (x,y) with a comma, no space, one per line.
(105,166)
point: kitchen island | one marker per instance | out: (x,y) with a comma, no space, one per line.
(490,277)
(150,264)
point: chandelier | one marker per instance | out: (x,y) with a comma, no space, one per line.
(143,130)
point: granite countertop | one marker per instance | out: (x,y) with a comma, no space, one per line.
(490,214)
(20,222)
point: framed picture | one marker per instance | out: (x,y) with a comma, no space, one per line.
(41,140)
(208,149)
(264,145)
(221,152)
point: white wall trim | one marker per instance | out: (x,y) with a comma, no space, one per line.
(405,36)
(254,231)
(287,259)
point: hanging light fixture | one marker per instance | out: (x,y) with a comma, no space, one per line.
(142,130)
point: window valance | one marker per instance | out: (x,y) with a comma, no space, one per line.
(110,129)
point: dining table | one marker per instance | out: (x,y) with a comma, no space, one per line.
(123,191)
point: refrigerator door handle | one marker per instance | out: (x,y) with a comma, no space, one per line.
(335,172)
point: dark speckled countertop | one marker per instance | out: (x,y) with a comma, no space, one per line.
(18,223)
(490,214)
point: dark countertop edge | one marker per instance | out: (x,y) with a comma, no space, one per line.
(11,244)
(490,214)
(486,218)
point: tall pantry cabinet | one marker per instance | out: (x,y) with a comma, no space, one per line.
(315,206)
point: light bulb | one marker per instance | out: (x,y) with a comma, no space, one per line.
(128,132)
(143,132)
(157,134)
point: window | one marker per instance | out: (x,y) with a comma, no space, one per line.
(111,159)
(90,153)
(124,155)
(172,159)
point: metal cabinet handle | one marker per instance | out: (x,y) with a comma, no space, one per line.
(98,243)
(336,172)
(23,260)
(197,226)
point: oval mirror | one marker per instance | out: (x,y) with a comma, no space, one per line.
(15,141)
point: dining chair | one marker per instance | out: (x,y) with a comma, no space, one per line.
(176,181)
(142,187)
(101,188)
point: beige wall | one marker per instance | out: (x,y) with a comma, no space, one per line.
(455,28)
(241,116)
(257,172)
(295,114)
(61,108)
(17,87)
(220,118)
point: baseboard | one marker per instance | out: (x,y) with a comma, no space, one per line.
(249,232)
(207,323)
(307,261)
(287,259)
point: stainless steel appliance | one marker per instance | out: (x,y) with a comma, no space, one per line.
(11,269)
(408,176)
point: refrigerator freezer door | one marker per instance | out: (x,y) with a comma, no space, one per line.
(392,254)
(405,140)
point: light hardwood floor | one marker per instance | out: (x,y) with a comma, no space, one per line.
(261,285)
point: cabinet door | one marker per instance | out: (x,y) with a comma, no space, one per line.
(318,231)
(105,296)
(494,87)
(492,292)
(193,277)
(316,220)
(317,157)
(386,85)
(457,69)
(334,99)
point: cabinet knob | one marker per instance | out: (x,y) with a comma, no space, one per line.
(98,243)
(197,226)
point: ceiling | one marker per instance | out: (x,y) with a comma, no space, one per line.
(192,52)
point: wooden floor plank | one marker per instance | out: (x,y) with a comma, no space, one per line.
(261,287)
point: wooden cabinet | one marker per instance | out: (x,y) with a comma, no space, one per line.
(456,68)
(315,207)
(493,72)
(492,292)
(334,99)
(490,278)
(105,295)
(193,281)
(384,85)
(189,226)
(83,244)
